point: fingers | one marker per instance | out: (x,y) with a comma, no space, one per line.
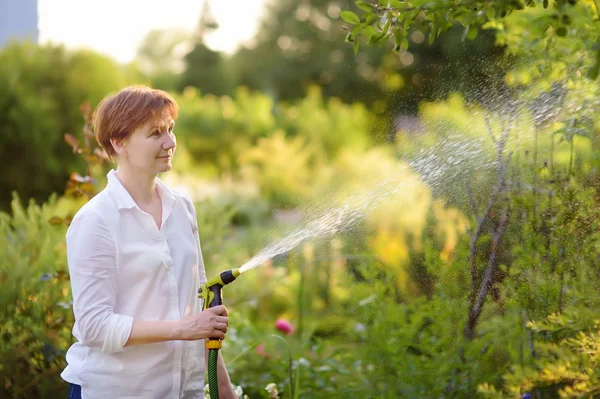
(218,333)
(215,321)
(221,327)
(220,310)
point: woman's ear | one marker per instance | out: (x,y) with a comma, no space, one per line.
(120,147)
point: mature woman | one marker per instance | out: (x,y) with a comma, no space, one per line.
(135,265)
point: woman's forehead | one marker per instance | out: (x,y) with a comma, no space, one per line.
(162,120)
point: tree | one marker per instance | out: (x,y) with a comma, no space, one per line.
(41,90)
(160,57)
(301,43)
(393,20)
(206,69)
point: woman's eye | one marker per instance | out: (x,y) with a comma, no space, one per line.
(156,133)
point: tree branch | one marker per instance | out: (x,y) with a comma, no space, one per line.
(486,283)
(471,198)
(488,125)
(478,296)
(435,7)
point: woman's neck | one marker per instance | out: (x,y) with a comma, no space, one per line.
(141,186)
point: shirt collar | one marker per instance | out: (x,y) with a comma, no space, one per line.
(166,196)
(124,199)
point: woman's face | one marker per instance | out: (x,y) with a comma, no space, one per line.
(151,147)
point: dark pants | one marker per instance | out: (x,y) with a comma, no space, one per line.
(74,391)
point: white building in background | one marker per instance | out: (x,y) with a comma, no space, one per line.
(18,21)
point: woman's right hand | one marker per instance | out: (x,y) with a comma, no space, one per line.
(210,323)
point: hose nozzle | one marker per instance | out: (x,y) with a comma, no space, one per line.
(210,291)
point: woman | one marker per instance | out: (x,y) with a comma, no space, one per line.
(135,265)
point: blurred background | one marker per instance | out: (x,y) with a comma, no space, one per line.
(445,190)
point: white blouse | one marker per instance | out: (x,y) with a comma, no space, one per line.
(122,267)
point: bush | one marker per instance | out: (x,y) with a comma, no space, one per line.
(41,90)
(36,319)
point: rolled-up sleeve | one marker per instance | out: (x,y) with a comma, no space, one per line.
(91,257)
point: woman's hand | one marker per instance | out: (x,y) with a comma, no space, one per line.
(210,323)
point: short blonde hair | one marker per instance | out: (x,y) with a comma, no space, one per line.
(118,115)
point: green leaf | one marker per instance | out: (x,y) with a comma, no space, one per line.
(355,47)
(376,37)
(370,18)
(431,37)
(367,32)
(545,4)
(490,12)
(465,33)
(363,5)
(398,33)
(350,17)
(410,17)
(472,32)
(387,25)
(382,42)
(357,29)
(404,43)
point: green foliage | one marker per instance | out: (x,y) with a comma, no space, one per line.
(41,91)
(159,57)
(301,44)
(564,361)
(36,319)
(380,312)
(281,167)
(276,146)
(205,69)
(561,40)
(381,21)
(365,326)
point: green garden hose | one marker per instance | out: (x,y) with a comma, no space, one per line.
(213,381)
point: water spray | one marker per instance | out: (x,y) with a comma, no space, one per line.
(210,291)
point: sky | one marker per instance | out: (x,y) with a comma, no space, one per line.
(117,27)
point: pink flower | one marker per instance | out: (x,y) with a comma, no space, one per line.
(260,351)
(284,326)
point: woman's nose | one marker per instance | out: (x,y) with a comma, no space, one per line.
(171,142)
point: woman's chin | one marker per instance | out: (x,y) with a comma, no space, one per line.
(164,168)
